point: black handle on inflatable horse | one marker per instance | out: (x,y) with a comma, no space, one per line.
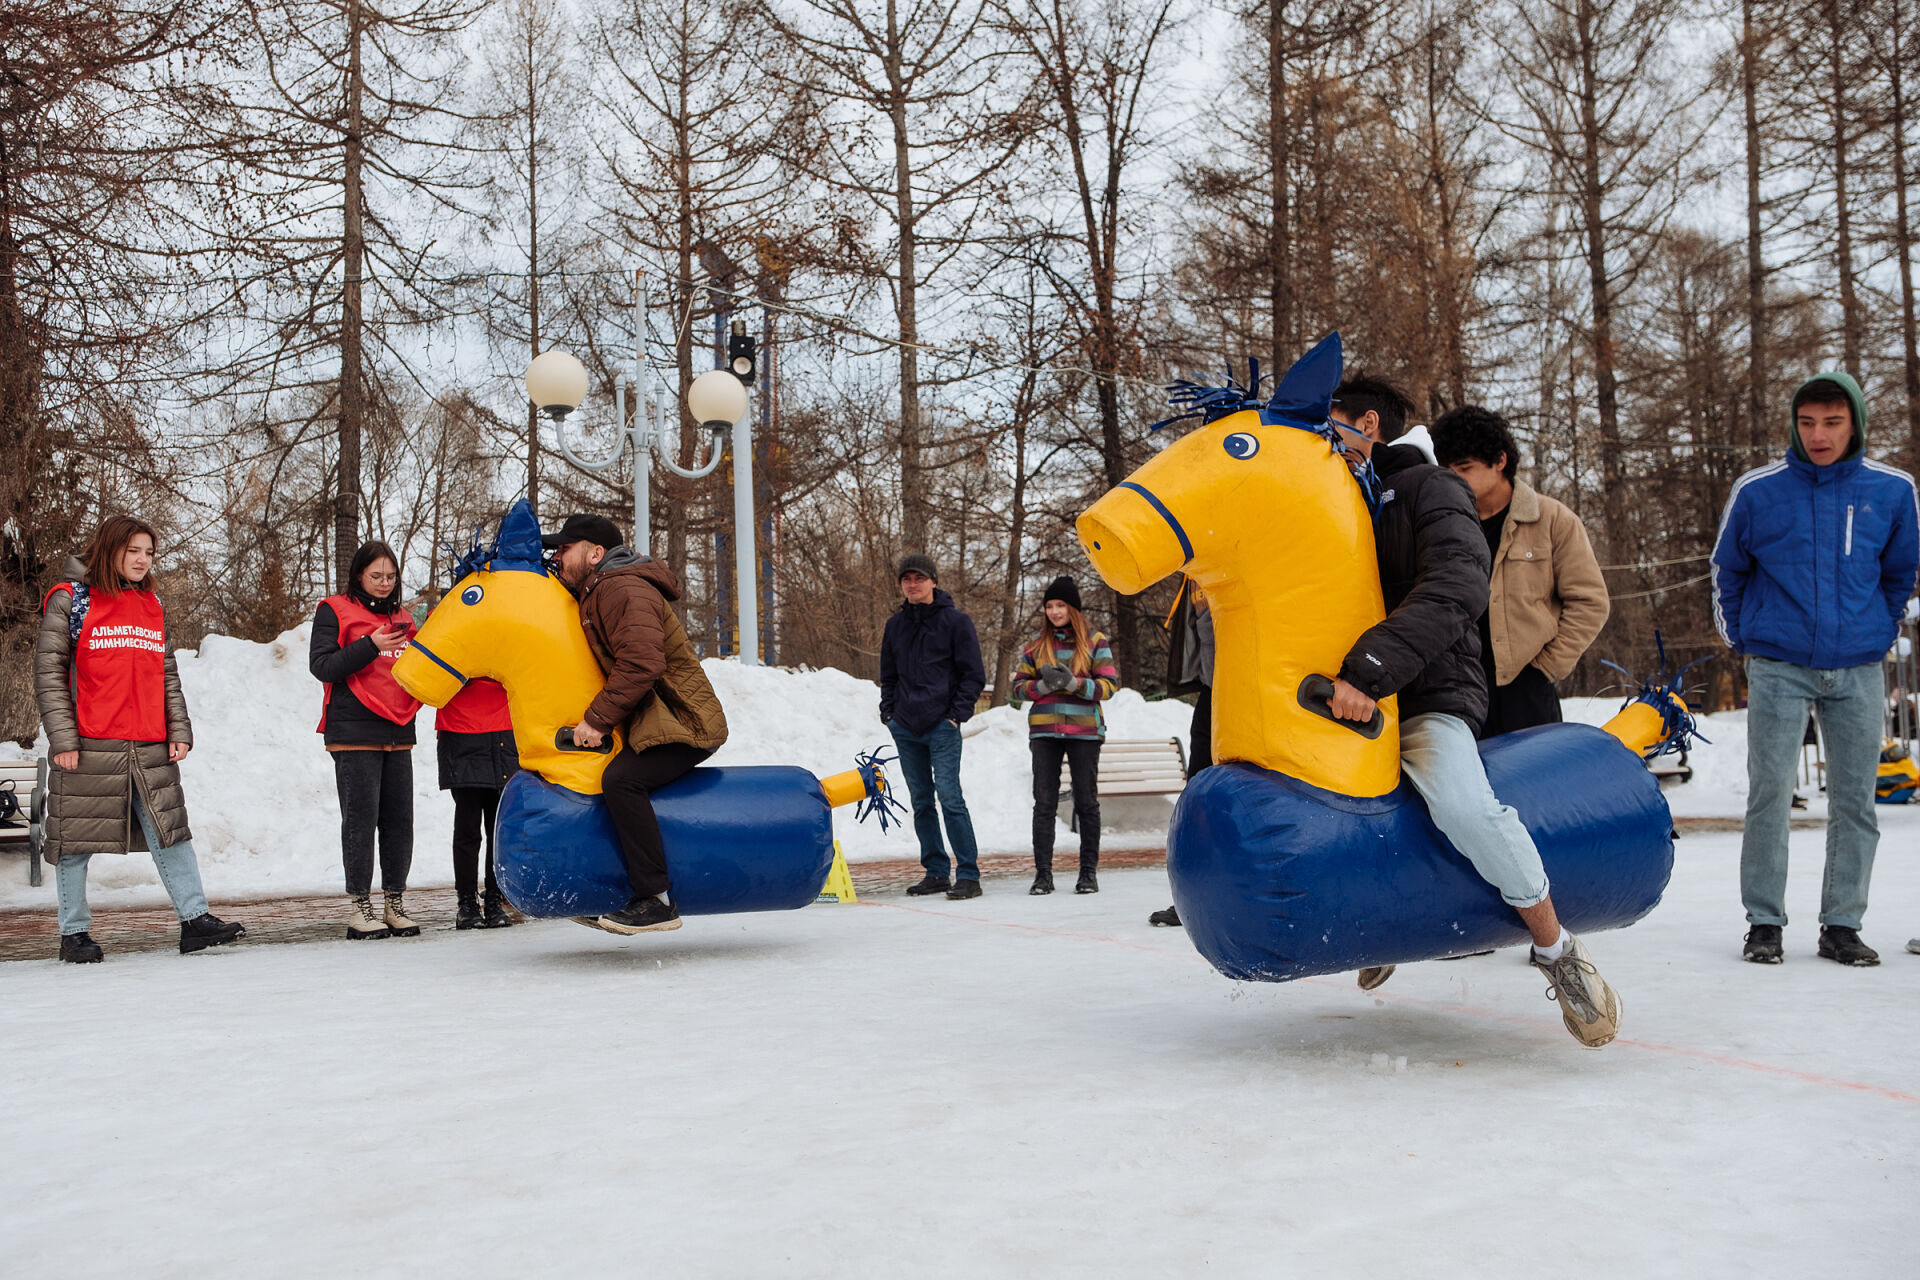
(1316,695)
(563,739)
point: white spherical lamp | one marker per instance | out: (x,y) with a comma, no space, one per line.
(556,382)
(716,399)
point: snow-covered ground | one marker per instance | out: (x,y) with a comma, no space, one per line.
(1012,1086)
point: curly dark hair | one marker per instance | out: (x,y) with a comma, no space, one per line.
(1471,431)
(1361,393)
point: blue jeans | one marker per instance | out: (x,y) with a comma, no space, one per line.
(178,867)
(1851,703)
(1442,761)
(931,763)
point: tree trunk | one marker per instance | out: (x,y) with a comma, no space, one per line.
(1279,246)
(346,498)
(913,497)
(1757,432)
(1850,319)
(1600,285)
(532,55)
(1903,234)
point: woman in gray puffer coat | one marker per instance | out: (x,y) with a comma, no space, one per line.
(117,729)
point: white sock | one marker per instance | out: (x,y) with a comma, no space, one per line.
(1554,952)
(661,898)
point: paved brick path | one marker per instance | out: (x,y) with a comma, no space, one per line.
(34,935)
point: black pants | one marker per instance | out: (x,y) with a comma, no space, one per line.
(474,810)
(1200,737)
(1083,757)
(629,782)
(1528,700)
(376,796)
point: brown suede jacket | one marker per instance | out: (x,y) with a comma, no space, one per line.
(655,687)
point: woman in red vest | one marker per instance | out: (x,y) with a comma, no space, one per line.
(117,729)
(474,734)
(366,720)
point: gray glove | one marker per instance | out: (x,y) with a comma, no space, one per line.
(1055,678)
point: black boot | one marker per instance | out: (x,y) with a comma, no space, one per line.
(1088,882)
(207,930)
(496,907)
(929,884)
(964,889)
(1837,942)
(1042,875)
(1763,945)
(80,948)
(466,914)
(1168,919)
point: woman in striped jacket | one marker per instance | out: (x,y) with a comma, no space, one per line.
(1066,672)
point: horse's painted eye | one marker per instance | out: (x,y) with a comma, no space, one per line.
(472,594)
(1241,445)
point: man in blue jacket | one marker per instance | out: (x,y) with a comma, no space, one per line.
(1811,573)
(930,677)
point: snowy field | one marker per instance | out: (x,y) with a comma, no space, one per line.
(1006,1087)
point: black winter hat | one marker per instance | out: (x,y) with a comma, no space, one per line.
(583,527)
(917,563)
(1063,588)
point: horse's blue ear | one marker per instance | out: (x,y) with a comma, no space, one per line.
(519,536)
(1305,394)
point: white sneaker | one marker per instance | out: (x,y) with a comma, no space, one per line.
(362,923)
(1375,975)
(397,918)
(1589,1007)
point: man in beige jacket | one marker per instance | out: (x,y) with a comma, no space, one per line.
(1548,600)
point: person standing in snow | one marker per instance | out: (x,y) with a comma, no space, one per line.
(1812,570)
(1066,672)
(473,738)
(1190,670)
(366,722)
(656,692)
(109,696)
(930,677)
(1434,568)
(1547,600)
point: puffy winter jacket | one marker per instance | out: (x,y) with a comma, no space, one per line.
(656,688)
(1814,565)
(930,668)
(1434,566)
(350,722)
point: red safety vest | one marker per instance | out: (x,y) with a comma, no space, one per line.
(373,684)
(120,666)
(480,707)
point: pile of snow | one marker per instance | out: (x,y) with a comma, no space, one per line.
(265,815)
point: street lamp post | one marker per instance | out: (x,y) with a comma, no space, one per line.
(557,383)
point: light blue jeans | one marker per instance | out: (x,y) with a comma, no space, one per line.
(178,867)
(1442,761)
(1851,703)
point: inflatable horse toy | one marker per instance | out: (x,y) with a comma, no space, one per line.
(738,838)
(1305,852)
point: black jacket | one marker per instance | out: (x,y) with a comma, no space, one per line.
(349,723)
(1434,569)
(477,760)
(930,668)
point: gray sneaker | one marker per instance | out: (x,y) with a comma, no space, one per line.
(1913,945)
(1589,1007)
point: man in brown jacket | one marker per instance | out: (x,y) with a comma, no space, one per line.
(1548,599)
(655,691)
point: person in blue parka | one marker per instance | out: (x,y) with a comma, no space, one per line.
(1812,570)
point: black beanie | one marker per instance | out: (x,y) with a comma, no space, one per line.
(917,563)
(1063,589)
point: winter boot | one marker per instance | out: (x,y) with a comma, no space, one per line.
(1913,945)
(1837,942)
(964,889)
(1589,1007)
(80,948)
(1374,975)
(1088,882)
(397,918)
(642,915)
(496,912)
(363,922)
(207,930)
(1763,945)
(1042,877)
(929,885)
(466,914)
(1168,919)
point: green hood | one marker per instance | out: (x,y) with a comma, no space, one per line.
(1859,402)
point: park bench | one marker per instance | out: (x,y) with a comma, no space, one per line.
(1140,778)
(23,832)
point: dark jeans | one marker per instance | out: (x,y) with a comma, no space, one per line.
(1083,757)
(930,762)
(474,810)
(629,782)
(1200,737)
(1529,700)
(376,796)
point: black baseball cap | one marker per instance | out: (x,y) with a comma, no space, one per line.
(583,527)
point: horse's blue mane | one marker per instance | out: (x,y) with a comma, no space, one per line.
(1303,399)
(515,545)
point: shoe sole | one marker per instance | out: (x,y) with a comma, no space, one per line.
(961,897)
(367,935)
(926,893)
(1753,959)
(412,931)
(1078,889)
(1038,893)
(187,950)
(629,929)
(1619,1016)
(592,922)
(1382,973)
(1851,964)
(467,924)
(81,959)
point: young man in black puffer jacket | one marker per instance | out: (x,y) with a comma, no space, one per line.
(1434,569)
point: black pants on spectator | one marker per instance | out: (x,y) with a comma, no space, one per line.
(1200,737)
(1530,699)
(474,811)
(376,798)
(1083,757)
(629,782)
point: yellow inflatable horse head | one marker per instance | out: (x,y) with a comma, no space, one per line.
(1260,508)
